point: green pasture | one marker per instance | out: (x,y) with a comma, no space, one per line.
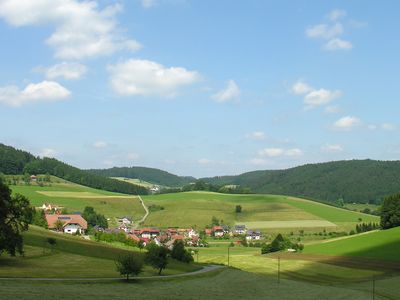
(383,244)
(135,181)
(72,257)
(75,197)
(197,208)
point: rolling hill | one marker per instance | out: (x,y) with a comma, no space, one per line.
(150,175)
(360,181)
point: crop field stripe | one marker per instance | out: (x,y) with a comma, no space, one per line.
(288,224)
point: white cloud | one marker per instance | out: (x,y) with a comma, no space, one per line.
(148,3)
(45,91)
(301,87)
(314,97)
(100,144)
(337,14)
(332,148)
(276,152)
(48,152)
(144,78)
(204,161)
(256,135)
(320,97)
(132,156)
(388,126)
(372,127)
(347,123)
(324,31)
(229,93)
(68,71)
(82,29)
(338,44)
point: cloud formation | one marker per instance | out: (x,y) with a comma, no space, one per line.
(229,93)
(136,77)
(45,91)
(277,152)
(257,136)
(82,29)
(314,97)
(332,148)
(65,70)
(347,123)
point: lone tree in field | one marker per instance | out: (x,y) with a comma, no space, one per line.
(15,216)
(390,212)
(129,265)
(156,257)
(238,209)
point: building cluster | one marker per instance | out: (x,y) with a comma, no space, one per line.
(241,230)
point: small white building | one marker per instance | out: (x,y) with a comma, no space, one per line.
(253,235)
(125,220)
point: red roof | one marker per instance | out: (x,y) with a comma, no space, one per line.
(66,219)
(133,237)
(151,230)
(177,237)
(208,231)
(218,228)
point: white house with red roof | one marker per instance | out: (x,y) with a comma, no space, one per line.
(70,223)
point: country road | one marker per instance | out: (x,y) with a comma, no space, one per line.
(206,269)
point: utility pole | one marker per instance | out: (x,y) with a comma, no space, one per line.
(228,255)
(373,287)
(279,269)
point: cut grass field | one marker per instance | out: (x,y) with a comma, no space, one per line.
(197,208)
(135,181)
(75,197)
(383,245)
(72,257)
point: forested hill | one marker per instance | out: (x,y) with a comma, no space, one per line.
(151,175)
(13,161)
(352,180)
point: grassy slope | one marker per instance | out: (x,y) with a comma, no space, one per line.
(72,257)
(384,244)
(197,208)
(228,284)
(107,203)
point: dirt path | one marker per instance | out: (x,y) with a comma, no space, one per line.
(206,269)
(146,214)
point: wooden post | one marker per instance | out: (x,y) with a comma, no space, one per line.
(279,270)
(228,255)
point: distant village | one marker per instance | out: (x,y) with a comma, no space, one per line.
(76,224)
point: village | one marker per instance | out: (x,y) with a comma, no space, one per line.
(75,224)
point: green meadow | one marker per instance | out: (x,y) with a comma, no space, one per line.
(75,197)
(197,208)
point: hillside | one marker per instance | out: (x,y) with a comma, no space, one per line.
(151,175)
(358,181)
(13,161)
(383,244)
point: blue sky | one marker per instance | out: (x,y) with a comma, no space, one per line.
(200,88)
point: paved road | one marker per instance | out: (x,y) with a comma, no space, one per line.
(205,269)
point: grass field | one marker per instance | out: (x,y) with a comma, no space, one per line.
(72,257)
(135,181)
(197,208)
(384,245)
(75,197)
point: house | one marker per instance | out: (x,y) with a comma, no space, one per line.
(149,233)
(171,231)
(253,235)
(124,227)
(50,207)
(191,233)
(155,189)
(133,237)
(240,229)
(33,178)
(218,231)
(70,223)
(125,220)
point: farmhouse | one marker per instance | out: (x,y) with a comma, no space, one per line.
(253,235)
(149,233)
(70,223)
(218,231)
(125,220)
(240,229)
(49,207)
(33,178)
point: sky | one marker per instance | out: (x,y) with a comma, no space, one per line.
(200,88)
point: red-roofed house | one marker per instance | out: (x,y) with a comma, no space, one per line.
(71,223)
(218,231)
(149,233)
(208,232)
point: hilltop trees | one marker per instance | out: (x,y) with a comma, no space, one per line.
(390,214)
(15,216)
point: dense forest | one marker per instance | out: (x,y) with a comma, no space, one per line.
(13,161)
(359,181)
(151,175)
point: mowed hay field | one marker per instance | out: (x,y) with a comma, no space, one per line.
(75,197)
(382,245)
(258,211)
